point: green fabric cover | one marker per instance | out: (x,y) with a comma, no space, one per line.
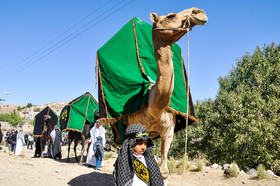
(125,87)
(81,109)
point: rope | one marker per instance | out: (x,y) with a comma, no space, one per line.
(188,59)
(184,29)
(48,119)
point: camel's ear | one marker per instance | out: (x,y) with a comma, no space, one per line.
(154,17)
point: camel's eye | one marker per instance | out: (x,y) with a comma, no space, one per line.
(196,12)
(171,16)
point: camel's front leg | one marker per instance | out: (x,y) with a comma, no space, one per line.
(69,144)
(82,151)
(42,149)
(166,139)
(75,146)
(49,151)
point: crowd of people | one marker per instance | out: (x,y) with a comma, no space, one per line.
(16,139)
(135,164)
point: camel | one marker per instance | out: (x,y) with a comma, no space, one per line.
(156,116)
(76,137)
(45,137)
(80,136)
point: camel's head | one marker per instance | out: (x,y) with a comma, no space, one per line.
(47,117)
(173,26)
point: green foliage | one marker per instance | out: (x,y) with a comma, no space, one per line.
(261,172)
(37,110)
(171,164)
(180,165)
(108,155)
(199,165)
(109,135)
(232,171)
(13,118)
(29,105)
(243,123)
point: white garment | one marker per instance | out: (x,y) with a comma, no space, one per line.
(20,142)
(94,133)
(30,138)
(137,181)
(53,135)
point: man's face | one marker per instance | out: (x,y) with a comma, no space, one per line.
(140,147)
(97,124)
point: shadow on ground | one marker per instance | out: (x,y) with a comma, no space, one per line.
(94,178)
(71,160)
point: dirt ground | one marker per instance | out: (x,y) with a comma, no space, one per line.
(25,170)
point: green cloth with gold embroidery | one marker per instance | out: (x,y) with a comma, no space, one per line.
(77,112)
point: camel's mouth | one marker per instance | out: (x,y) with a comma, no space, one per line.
(194,21)
(199,21)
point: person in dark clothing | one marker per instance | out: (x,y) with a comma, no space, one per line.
(6,138)
(14,141)
(37,147)
(9,141)
(26,138)
(1,136)
(57,138)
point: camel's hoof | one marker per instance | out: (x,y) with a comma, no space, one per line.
(81,163)
(164,173)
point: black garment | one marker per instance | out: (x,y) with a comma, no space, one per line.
(98,147)
(56,144)
(124,165)
(26,138)
(9,139)
(14,141)
(1,135)
(98,151)
(14,137)
(37,147)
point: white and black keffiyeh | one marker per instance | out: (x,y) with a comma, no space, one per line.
(124,165)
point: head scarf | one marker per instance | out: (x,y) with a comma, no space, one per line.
(20,134)
(124,165)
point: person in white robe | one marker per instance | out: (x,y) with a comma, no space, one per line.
(97,130)
(20,142)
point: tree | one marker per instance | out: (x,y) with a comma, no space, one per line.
(243,123)
(29,105)
(15,119)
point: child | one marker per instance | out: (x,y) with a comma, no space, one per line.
(136,164)
(98,152)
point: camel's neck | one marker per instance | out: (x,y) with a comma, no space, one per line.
(161,92)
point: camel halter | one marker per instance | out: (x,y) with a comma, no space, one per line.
(187,119)
(179,29)
(188,59)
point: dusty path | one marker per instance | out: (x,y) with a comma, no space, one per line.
(25,170)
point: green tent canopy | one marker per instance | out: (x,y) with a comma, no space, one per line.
(127,68)
(78,112)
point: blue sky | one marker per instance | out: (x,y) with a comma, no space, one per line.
(48,47)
